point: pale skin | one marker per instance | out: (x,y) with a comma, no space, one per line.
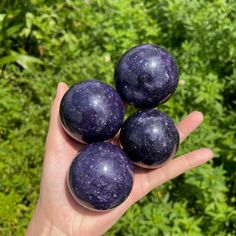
(57,213)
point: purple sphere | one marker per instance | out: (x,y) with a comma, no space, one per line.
(150,138)
(91,111)
(146,76)
(101,176)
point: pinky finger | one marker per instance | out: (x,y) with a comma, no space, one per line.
(182,164)
(150,179)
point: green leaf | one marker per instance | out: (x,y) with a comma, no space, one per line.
(8,59)
(23,60)
(13,29)
(26,61)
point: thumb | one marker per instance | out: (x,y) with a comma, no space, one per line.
(56,134)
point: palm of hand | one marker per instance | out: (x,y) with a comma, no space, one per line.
(59,211)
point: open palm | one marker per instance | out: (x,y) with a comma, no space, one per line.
(57,213)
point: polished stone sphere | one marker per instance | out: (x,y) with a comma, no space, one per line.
(146,76)
(91,111)
(150,138)
(101,176)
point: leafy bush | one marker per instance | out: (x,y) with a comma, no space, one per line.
(13,40)
(78,40)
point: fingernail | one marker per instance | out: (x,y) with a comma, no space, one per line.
(209,153)
(199,116)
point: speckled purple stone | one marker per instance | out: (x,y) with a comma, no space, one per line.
(146,76)
(150,138)
(91,111)
(101,176)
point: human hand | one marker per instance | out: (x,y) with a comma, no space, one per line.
(57,213)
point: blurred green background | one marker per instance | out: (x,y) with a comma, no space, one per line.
(43,42)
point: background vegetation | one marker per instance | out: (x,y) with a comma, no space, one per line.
(43,42)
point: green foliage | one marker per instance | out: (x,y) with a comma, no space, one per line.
(78,40)
(13,40)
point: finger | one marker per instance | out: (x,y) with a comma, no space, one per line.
(188,124)
(185,127)
(150,179)
(61,89)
